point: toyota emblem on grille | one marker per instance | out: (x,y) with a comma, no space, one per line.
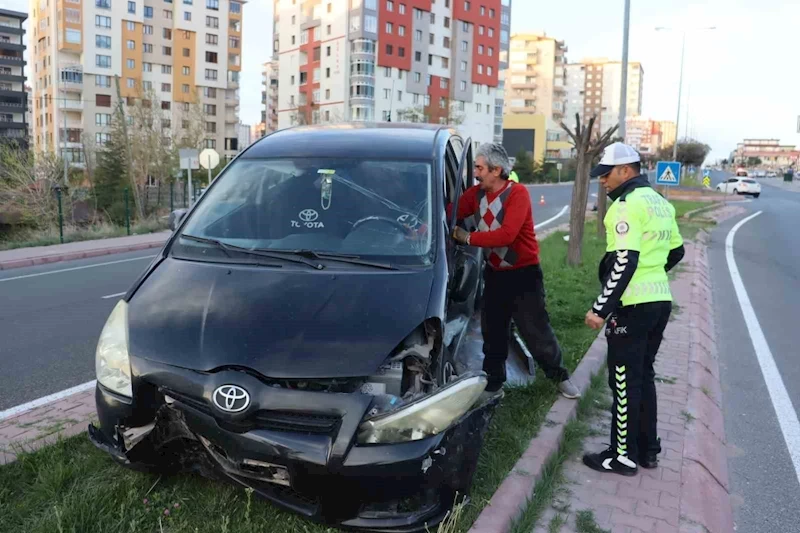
(231,398)
(308,215)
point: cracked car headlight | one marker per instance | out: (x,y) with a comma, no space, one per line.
(112,363)
(425,417)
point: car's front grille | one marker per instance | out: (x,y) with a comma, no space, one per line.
(317,424)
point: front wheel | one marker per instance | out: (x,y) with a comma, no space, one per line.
(735,191)
(756,195)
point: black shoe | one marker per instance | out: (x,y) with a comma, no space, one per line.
(609,461)
(649,459)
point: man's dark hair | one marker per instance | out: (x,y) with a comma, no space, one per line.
(637,167)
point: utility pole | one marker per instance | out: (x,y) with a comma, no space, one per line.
(680,90)
(623,99)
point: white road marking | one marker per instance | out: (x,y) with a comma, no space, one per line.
(787,417)
(18,410)
(549,220)
(76,268)
(113,295)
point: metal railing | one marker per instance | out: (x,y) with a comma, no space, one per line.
(11,58)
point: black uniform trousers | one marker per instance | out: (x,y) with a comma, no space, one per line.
(518,294)
(634,335)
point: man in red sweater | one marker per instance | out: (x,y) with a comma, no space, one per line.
(514,287)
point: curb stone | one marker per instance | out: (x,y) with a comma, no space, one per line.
(81,254)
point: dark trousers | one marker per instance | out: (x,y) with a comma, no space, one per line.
(517,294)
(634,334)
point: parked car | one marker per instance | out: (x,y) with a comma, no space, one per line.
(740,185)
(772,174)
(298,332)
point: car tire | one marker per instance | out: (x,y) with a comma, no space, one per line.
(735,191)
(756,195)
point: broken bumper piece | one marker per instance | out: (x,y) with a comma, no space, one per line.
(295,448)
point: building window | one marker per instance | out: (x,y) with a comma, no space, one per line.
(102,100)
(132,7)
(103,61)
(389,5)
(73,36)
(466,6)
(491,52)
(147,67)
(73,15)
(446,42)
(102,81)
(211,57)
(209,92)
(211,38)
(103,4)
(463,86)
(401,31)
(418,56)
(166,69)
(147,30)
(148,12)
(443,83)
(167,14)
(131,45)
(187,16)
(167,33)
(210,109)
(186,71)
(327,94)
(389,27)
(102,138)
(211,74)
(481,29)
(445,62)
(131,83)
(464,46)
(211,127)
(102,22)
(187,52)
(401,52)
(233,42)
(130,64)
(166,87)
(417,77)
(212,22)
(236,7)
(480,49)
(389,49)
(212,4)
(480,69)
(102,119)
(166,50)
(489,71)
(185,88)
(491,32)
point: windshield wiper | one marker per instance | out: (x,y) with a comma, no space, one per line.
(344,258)
(227,248)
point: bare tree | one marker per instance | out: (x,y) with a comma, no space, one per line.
(90,163)
(26,182)
(192,125)
(586,149)
(453,115)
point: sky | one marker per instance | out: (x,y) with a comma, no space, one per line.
(740,80)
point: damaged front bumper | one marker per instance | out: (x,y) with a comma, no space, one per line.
(295,448)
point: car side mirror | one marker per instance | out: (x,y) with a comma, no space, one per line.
(176,217)
(465,278)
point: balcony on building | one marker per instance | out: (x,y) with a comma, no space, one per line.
(11,57)
(12,101)
(72,138)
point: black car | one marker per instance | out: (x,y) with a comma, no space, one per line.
(297,333)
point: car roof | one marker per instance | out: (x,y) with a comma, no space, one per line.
(358,140)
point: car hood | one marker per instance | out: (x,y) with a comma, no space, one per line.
(282,323)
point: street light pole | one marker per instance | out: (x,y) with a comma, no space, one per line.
(623,103)
(680,88)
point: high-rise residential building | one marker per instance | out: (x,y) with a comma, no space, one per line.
(648,136)
(85,52)
(13,98)
(594,89)
(669,133)
(536,77)
(398,60)
(269,97)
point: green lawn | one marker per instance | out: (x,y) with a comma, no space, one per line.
(47,237)
(684,206)
(71,487)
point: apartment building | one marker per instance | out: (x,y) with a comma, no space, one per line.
(182,53)
(771,152)
(391,60)
(13,98)
(594,87)
(647,135)
(269,97)
(536,77)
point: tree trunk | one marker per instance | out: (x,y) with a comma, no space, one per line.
(602,207)
(577,216)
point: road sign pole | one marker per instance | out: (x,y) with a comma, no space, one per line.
(191,195)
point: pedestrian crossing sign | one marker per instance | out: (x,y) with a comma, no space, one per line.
(668,173)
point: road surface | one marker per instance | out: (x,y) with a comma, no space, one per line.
(764,479)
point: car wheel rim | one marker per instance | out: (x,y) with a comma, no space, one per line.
(448,372)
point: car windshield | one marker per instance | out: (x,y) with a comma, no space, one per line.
(366,208)
(749,181)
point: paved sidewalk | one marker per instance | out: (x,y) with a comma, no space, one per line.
(39,255)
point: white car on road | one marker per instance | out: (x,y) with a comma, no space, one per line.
(740,185)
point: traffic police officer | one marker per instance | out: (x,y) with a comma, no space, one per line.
(643,244)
